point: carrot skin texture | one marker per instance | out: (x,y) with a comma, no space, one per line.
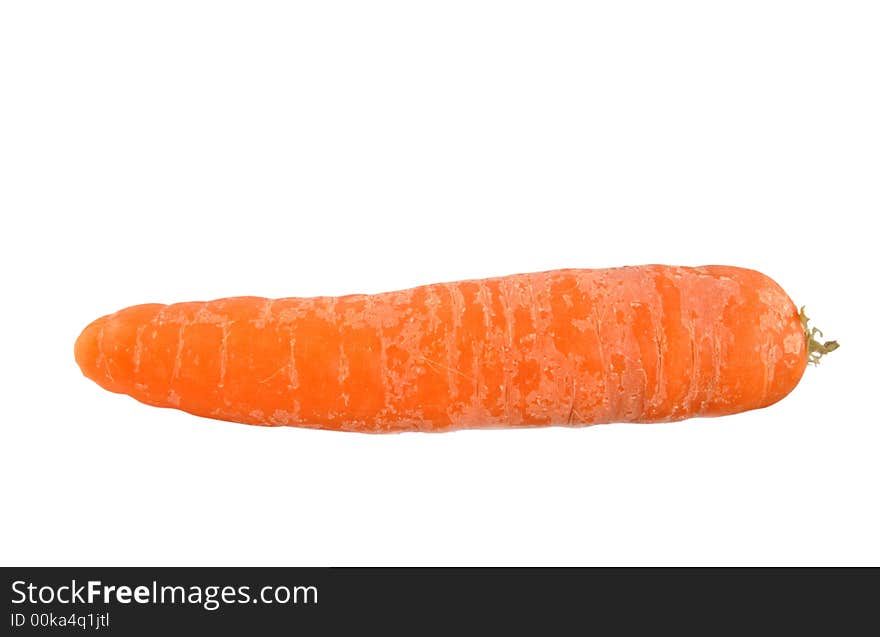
(567,347)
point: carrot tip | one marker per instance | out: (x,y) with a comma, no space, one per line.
(86,349)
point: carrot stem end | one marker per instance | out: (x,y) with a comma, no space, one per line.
(816,349)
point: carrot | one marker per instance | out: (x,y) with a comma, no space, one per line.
(568,347)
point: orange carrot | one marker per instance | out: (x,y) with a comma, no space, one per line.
(567,347)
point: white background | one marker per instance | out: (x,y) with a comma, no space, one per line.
(170,151)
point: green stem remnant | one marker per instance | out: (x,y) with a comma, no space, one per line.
(815,348)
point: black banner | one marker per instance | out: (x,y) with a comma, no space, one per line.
(149,601)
